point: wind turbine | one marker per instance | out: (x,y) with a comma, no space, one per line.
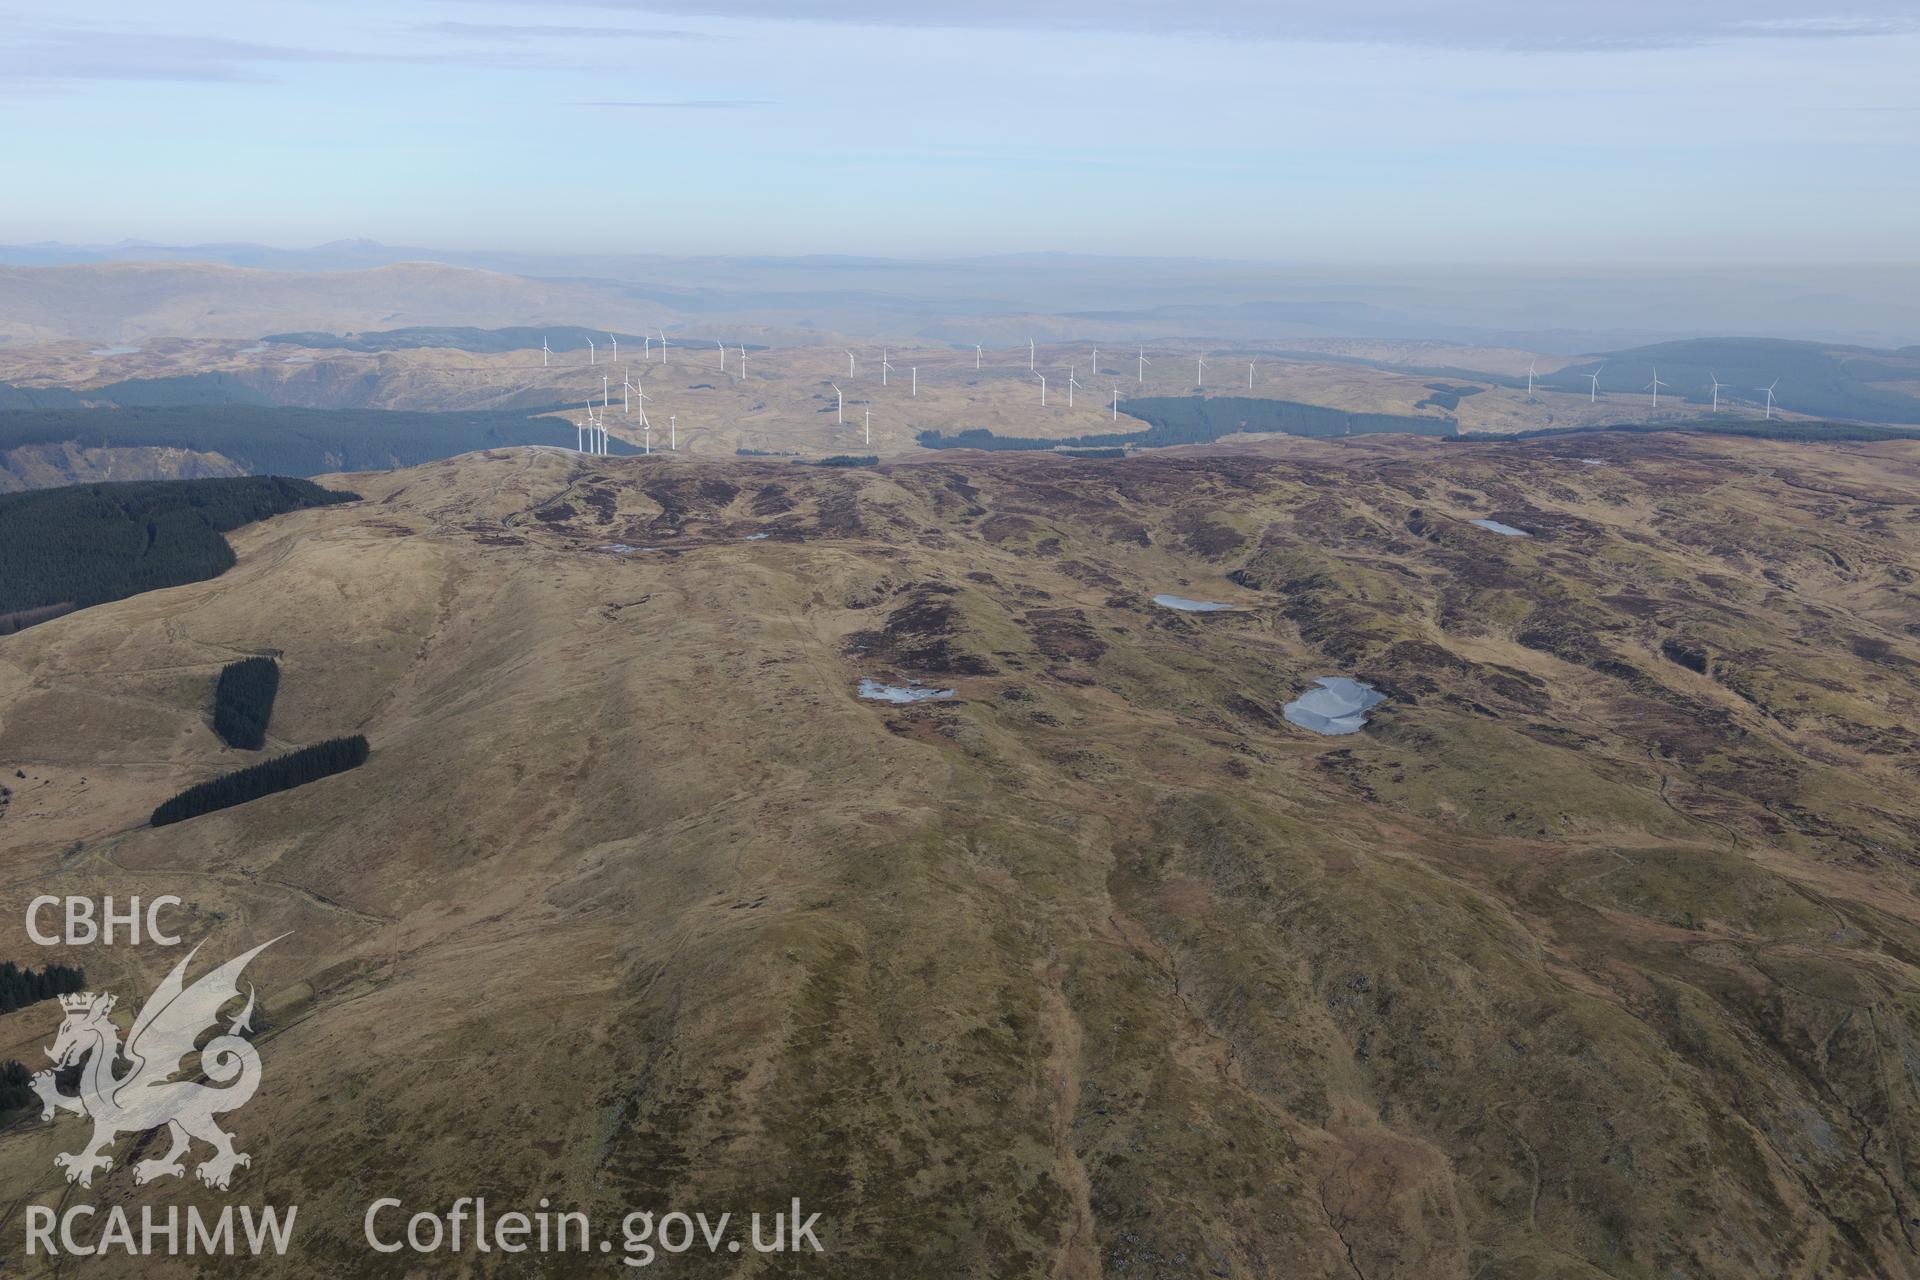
(1769,390)
(1144,362)
(1655,386)
(1250,375)
(645,425)
(616,347)
(722,347)
(646,348)
(673,432)
(850,365)
(606,393)
(1072,382)
(1030,353)
(626,390)
(976,357)
(743,362)
(1593,391)
(1716,390)
(840,405)
(589,350)
(915,369)
(1116,404)
(1200,371)
(663,346)
(580,437)
(546,353)
(885,367)
(1043,389)
(1096,362)
(869,425)
(1530,368)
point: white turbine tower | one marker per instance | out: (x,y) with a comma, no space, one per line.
(869,425)
(976,357)
(1096,362)
(642,391)
(1250,375)
(646,349)
(606,393)
(1144,362)
(616,347)
(1769,390)
(886,366)
(663,346)
(743,362)
(626,392)
(673,432)
(851,369)
(915,370)
(840,405)
(579,438)
(721,347)
(589,350)
(1199,371)
(1593,390)
(1116,404)
(1655,386)
(1716,390)
(1043,389)
(1072,382)
(546,353)
(1530,368)
(1030,354)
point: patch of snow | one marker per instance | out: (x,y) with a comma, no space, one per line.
(1339,706)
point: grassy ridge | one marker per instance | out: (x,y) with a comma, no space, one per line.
(291,442)
(283,773)
(1756,429)
(87,544)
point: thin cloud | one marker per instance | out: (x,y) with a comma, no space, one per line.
(690,104)
(551,31)
(1502,25)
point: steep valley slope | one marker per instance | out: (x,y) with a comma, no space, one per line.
(1593,955)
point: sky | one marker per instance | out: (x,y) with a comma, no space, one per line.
(1710,131)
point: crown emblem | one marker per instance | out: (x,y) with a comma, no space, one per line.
(85,1001)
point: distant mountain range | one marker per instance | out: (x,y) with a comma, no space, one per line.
(136,289)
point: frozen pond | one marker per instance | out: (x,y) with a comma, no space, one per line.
(1505,530)
(900,693)
(115,351)
(1338,706)
(1185,605)
(756,537)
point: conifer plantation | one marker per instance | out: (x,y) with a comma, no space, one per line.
(22,987)
(243,702)
(69,548)
(282,773)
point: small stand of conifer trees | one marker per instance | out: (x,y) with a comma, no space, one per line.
(336,755)
(243,702)
(22,987)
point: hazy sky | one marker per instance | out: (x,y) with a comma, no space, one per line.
(1710,130)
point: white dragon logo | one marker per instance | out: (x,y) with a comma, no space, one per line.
(147,1096)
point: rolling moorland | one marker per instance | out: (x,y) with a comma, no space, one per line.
(1593,955)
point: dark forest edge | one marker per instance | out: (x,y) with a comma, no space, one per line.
(65,549)
(282,773)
